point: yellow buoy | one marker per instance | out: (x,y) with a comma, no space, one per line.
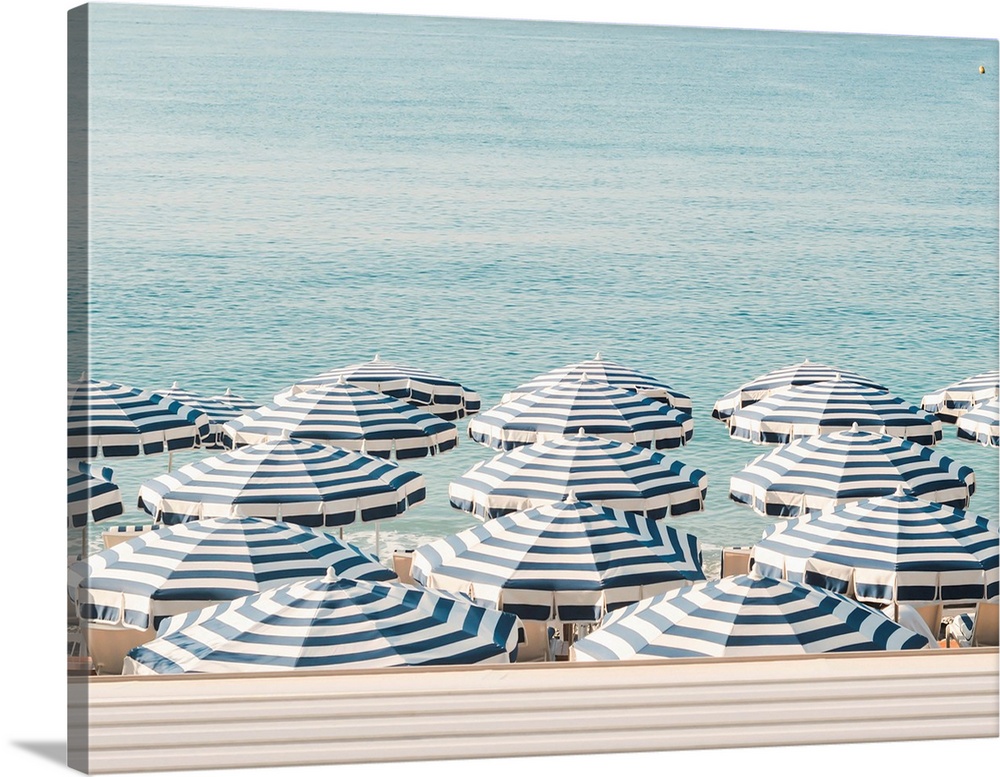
(981,70)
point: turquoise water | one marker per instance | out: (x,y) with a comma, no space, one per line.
(276,194)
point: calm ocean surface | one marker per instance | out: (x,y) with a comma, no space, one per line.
(276,194)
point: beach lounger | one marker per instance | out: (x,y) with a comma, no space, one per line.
(924,620)
(975,629)
(985,625)
(109,644)
(933,616)
(402,562)
(536,642)
(71,614)
(736,561)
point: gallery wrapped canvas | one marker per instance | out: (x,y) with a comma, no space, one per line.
(449,372)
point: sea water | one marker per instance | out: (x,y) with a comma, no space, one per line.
(276,194)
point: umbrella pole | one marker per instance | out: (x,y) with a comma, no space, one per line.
(377,544)
(170,461)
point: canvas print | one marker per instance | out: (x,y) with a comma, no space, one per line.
(459,371)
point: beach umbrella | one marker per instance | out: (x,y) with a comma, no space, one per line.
(218,412)
(801,374)
(613,374)
(826,470)
(743,616)
(439,396)
(175,569)
(890,549)
(111,420)
(236,401)
(955,400)
(287,480)
(347,417)
(330,623)
(830,406)
(597,408)
(568,561)
(613,474)
(981,424)
(90,494)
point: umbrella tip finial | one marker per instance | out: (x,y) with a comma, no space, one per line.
(597,356)
(854,426)
(581,432)
(838,377)
(584,377)
(175,385)
(805,361)
(900,491)
(341,381)
(377,358)
(229,392)
(284,435)
(83,376)
(570,498)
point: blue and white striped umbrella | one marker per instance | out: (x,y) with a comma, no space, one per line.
(830,406)
(330,623)
(566,561)
(287,480)
(743,616)
(953,401)
(176,569)
(610,373)
(433,394)
(90,494)
(236,401)
(821,472)
(218,412)
(111,420)
(614,474)
(891,549)
(981,424)
(801,374)
(582,404)
(348,417)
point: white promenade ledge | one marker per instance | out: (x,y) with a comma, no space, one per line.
(348,716)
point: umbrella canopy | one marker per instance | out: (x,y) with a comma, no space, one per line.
(596,408)
(348,417)
(955,400)
(90,494)
(743,616)
(891,549)
(439,396)
(830,406)
(288,480)
(821,472)
(175,569)
(801,374)
(236,401)
(218,412)
(610,373)
(981,424)
(614,474)
(111,420)
(330,623)
(568,561)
